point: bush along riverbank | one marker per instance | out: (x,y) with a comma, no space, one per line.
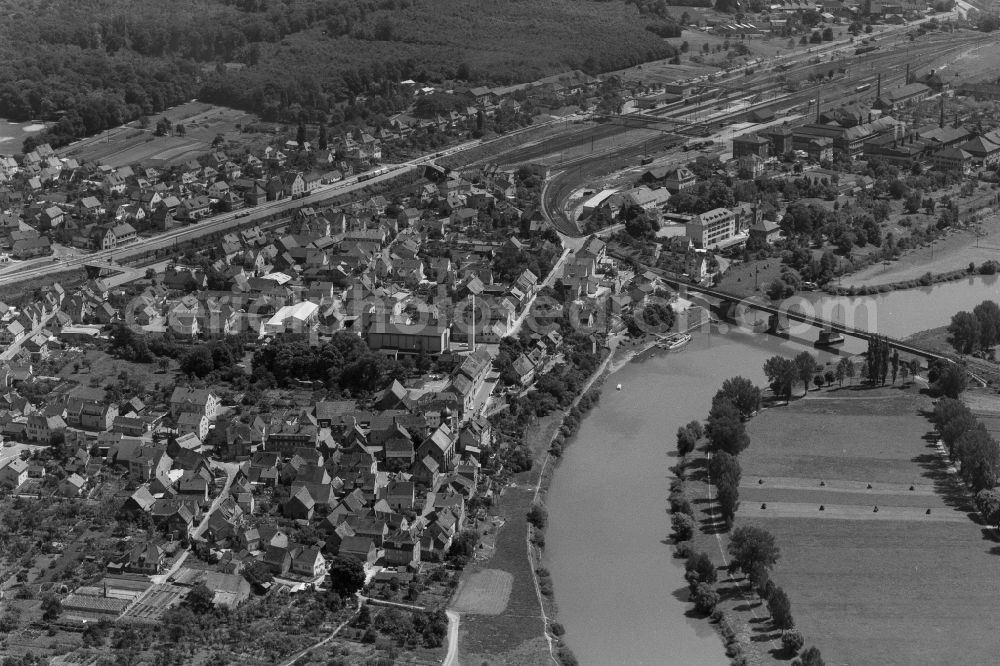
(709,457)
(926,280)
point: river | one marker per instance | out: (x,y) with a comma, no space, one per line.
(621,595)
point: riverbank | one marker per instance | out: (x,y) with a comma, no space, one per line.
(936,339)
(950,253)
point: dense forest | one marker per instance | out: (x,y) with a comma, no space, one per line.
(93,64)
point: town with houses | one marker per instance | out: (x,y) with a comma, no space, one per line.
(251,468)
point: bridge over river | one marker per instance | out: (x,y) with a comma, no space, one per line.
(780,312)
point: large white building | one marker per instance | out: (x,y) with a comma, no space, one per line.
(296,318)
(712,228)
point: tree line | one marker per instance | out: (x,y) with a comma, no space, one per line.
(752,550)
(970,444)
(976,331)
(92,67)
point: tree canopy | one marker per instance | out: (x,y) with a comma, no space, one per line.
(725,428)
(742,393)
(969,332)
(750,546)
(298,60)
(781,374)
(347,575)
(344,363)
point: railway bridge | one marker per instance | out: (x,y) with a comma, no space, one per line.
(811,319)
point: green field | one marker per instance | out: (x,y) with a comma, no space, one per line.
(890,593)
(133,145)
(515,636)
(896,586)
(852,434)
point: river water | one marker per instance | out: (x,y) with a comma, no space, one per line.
(621,595)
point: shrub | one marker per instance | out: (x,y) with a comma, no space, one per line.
(726,630)
(557,629)
(810,657)
(683,525)
(705,598)
(686,440)
(681,505)
(700,569)
(792,641)
(566,657)
(684,550)
(538,516)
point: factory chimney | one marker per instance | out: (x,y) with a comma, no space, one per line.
(818,100)
(941,120)
(878,86)
(906,82)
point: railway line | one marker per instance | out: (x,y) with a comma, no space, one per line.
(892,64)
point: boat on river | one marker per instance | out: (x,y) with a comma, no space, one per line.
(674,341)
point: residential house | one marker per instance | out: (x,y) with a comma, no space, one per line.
(309,562)
(401,550)
(362,548)
(43,428)
(71,486)
(14,473)
(300,505)
(195,400)
(193,422)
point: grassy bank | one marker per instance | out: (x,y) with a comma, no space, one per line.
(516,635)
(896,585)
(936,339)
(925,280)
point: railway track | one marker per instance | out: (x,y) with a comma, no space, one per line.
(892,64)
